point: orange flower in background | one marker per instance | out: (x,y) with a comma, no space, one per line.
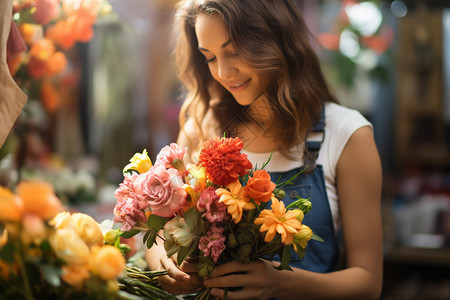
(11,206)
(56,63)
(279,220)
(39,198)
(31,33)
(75,275)
(223,160)
(235,199)
(260,187)
(49,97)
(43,49)
(107,262)
(61,34)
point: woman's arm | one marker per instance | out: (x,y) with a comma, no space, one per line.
(359,192)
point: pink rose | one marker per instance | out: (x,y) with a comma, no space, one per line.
(213,243)
(128,213)
(208,202)
(162,190)
(46,10)
(168,154)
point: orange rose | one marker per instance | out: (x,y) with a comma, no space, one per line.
(260,187)
(38,198)
(11,206)
(34,229)
(75,275)
(107,262)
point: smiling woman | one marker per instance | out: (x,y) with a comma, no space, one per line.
(251,73)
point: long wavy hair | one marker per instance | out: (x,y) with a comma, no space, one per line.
(272,37)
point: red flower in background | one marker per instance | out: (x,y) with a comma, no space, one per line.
(46,10)
(223,160)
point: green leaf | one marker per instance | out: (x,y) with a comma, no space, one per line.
(51,274)
(317,238)
(185,252)
(285,258)
(156,222)
(192,218)
(129,234)
(300,251)
(7,252)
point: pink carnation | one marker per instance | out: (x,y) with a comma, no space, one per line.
(168,154)
(126,190)
(213,243)
(208,202)
(162,190)
(128,213)
(46,10)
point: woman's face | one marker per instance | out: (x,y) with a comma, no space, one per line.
(224,63)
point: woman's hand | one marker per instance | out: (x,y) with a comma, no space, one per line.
(257,279)
(180,280)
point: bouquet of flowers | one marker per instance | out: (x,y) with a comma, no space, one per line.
(47,253)
(213,211)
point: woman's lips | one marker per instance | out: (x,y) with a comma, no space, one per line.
(237,87)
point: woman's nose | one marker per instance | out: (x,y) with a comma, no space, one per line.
(226,69)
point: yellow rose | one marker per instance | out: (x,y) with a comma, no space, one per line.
(11,206)
(88,229)
(61,220)
(139,162)
(75,275)
(39,198)
(69,246)
(107,262)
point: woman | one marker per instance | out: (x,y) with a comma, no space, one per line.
(250,72)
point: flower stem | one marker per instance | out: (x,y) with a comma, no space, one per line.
(23,271)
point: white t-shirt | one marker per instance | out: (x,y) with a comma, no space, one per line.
(340,123)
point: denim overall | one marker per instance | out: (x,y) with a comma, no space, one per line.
(320,256)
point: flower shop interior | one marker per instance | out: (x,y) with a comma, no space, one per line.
(113,91)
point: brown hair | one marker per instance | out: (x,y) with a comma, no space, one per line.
(269,35)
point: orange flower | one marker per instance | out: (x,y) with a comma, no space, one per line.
(56,63)
(61,34)
(43,49)
(235,199)
(49,97)
(107,262)
(38,198)
(11,206)
(223,160)
(75,275)
(278,220)
(260,187)
(31,33)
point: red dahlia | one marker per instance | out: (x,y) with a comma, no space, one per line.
(223,160)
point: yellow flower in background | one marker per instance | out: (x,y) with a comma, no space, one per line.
(75,275)
(278,220)
(235,199)
(107,262)
(61,220)
(11,206)
(88,229)
(139,162)
(69,246)
(302,237)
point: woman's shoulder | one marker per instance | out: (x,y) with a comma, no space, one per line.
(339,117)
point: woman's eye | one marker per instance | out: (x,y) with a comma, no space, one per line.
(232,54)
(210,60)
